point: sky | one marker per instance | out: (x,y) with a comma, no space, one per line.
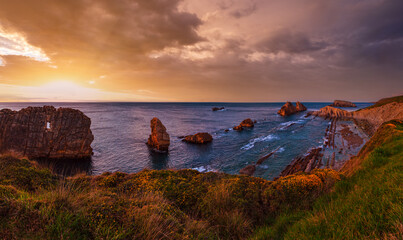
(200,51)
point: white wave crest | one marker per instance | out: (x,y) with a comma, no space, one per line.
(252,142)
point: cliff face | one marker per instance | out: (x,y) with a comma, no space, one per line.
(46,132)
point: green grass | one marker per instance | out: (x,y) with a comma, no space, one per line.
(383,101)
(366,205)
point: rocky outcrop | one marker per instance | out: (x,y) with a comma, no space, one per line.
(332,112)
(288,109)
(300,107)
(159,138)
(342,103)
(199,138)
(247,123)
(46,132)
(304,163)
(214,109)
(374,116)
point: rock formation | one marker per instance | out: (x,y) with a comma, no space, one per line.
(217,108)
(304,163)
(375,116)
(199,138)
(341,103)
(159,138)
(44,132)
(288,109)
(300,107)
(247,123)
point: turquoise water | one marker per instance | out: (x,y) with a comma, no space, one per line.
(121,130)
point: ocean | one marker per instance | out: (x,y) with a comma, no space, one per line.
(122,129)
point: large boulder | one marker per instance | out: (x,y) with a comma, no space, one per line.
(342,103)
(46,132)
(199,138)
(247,123)
(159,138)
(288,109)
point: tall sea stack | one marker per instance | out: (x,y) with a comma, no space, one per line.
(159,138)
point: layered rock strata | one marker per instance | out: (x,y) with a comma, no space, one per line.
(46,132)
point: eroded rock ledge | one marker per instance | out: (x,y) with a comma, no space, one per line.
(46,132)
(159,139)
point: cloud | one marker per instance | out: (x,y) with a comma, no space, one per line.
(244,12)
(290,42)
(15,44)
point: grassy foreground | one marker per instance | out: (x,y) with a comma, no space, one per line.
(185,204)
(363,203)
(367,204)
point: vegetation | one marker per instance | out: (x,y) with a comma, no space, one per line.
(383,101)
(185,204)
(365,205)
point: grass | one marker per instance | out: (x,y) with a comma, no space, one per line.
(365,205)
(165,204)
(383,101)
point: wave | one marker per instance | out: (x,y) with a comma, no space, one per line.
(288,124)
(203,169)
(252,142)
(280,150)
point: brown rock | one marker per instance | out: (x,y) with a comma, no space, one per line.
(288,108)
(300,107)
(199,138)
(217,109)
(44,132)
(248,170)
(247,123)
(159,138)
(342,103)
(332,112)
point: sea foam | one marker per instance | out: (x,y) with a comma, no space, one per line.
(252,142)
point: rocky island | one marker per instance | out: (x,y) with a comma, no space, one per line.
(198,138)
(288,109)
(247,123)
(342,103)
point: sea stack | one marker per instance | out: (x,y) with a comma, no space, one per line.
(46,133)
(199,138)
(288,109)
(159,138)
(247,123)
(342,103)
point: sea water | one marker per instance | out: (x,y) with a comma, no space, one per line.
(121,131)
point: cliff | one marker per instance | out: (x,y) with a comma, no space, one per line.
(373,115)
(46,132)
